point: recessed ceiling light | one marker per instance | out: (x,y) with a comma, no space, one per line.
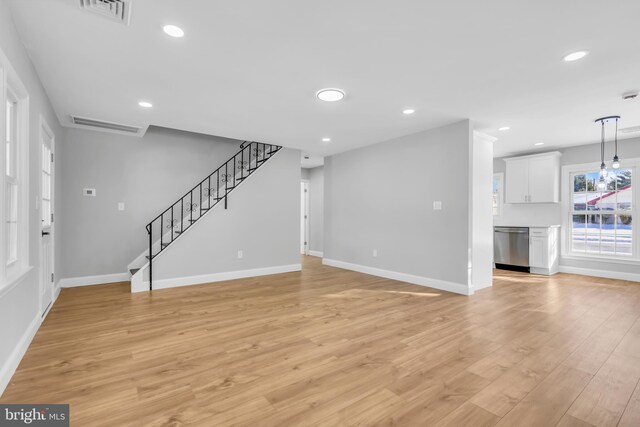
(537,144)
(574,56)
(173,31)
(330,94)
(326,139)
(145,104)
(408,111)
(503,128)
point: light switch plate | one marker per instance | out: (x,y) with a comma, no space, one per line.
(240,254)
(120,206)
(437,205)
(89,192)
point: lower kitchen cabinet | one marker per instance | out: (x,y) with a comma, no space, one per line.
(544,249)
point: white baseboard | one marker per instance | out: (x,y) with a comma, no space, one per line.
(10,366)
(457,288)
(217,277)
(607,274)
(316,253)
(72,282)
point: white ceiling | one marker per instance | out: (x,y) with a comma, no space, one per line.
(250,69)
(310,160)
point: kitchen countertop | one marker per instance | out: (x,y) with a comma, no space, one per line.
(529,225)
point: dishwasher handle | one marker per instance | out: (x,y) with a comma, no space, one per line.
(513,231)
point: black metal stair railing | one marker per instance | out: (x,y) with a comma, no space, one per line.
(213,189)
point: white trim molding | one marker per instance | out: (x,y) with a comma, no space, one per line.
(72,282)
(10,366)
(214,277)
(13,361)
(443,285)
(316,253)
(607,274)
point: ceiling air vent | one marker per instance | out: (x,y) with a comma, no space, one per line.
(632,129)
(93,124)
(116,10)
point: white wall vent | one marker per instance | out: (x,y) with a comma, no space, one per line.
(632,129)
(100,125)
(116,10)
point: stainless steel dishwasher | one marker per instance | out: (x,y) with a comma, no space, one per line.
(511,248)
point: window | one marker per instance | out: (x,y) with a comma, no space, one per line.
(601,221)
(498,180)
(11,179)
(14,177)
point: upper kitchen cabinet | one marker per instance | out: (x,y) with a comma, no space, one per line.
(533,179)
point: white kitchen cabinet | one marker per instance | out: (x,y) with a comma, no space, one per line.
(544,250)
(533,179)
(517,189)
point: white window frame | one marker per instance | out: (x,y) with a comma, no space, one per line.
(567,210)
(12,273)
(499,176)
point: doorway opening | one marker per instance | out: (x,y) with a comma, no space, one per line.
(47,283)
(304,217)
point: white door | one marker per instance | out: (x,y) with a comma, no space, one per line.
(46,208)
(304,218)
(517,177)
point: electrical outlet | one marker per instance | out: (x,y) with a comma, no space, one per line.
(89,192)
(437,205)
(240,254)
(120,206)
(375,253)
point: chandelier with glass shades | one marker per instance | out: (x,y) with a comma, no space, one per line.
(615,164)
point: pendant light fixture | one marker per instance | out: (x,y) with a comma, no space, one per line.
(616,160)
(602,182)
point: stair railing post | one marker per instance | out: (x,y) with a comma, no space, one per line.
(151,256)
(226,183)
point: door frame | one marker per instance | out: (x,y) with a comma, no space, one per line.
(304,226)
(45,128)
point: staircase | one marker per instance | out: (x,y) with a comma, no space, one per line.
(214,189)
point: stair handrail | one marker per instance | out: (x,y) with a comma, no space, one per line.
(261,156)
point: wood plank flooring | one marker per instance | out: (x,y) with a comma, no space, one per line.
(330,347)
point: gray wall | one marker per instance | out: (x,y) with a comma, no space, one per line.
(147,174)
(381,197)
(262,220)
(551,213)
(316,209)
(19,306)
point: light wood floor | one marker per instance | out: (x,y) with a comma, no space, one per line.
(331,347)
